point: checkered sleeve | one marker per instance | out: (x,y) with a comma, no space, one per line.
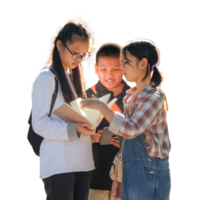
(147,110)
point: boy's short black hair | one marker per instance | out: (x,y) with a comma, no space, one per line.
(108,50)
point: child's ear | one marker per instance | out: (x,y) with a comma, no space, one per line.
(144,63)
(96,68)
(59,45)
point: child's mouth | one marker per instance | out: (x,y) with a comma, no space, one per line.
(109,81)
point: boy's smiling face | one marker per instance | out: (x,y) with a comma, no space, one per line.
(109,72)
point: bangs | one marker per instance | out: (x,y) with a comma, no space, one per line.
(124,53)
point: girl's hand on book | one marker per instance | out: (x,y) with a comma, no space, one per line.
(96,138)
(80,128)
(91,103)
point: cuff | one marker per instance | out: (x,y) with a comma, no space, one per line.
(71,131)
(115,125)
(116,159)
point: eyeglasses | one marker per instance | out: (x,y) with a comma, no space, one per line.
(77,56)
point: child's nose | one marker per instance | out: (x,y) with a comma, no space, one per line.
(110,73)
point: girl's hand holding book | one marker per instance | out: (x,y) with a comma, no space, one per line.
(96,138)
(80,128)
(92,104)
(115,141)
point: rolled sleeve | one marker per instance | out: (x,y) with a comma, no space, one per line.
(71,131)
(115,125)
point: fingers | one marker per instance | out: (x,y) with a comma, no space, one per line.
(100,132)
(85,131)
(92,133)
(95,138)
(113,189)
(83,124)
(81,104)
(93,96)
(115,142)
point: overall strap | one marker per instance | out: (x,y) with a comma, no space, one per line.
(133,111)
(114,107)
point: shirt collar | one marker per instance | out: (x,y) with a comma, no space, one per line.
(147,89)
(101,88)
(144,91)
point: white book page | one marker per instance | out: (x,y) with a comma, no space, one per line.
(75,105)
(112,102)
(93,116)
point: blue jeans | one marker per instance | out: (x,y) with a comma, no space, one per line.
(144,177)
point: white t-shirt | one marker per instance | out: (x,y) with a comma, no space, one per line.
(59,153)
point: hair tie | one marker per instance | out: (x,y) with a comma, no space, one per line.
(154,66)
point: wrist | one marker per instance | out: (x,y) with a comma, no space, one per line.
(92,139)
(101,106)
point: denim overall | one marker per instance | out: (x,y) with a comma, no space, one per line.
(144,177)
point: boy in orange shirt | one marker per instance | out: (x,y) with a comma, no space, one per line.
(108,68)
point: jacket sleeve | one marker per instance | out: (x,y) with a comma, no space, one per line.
(43,125)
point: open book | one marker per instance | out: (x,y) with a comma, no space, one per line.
(74,113)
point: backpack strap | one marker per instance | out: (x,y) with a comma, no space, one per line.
(114,107)
(54,96)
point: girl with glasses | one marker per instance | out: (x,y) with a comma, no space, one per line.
(66,158)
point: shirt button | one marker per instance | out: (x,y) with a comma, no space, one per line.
(151,172)
(149,159)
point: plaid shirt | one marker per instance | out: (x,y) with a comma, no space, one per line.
(149,119)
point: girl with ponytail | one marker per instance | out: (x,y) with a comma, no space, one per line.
(142,130)
(66,158)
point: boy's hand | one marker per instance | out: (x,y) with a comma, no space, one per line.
(116,190)
(115,141)
(96,138)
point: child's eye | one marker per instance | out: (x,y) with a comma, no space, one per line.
(103,69)
(125,63)
(116,69)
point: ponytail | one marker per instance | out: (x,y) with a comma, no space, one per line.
(57,66)
(157,77)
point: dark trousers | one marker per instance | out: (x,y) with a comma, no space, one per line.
(68,186)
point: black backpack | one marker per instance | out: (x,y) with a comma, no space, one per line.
(33,138)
